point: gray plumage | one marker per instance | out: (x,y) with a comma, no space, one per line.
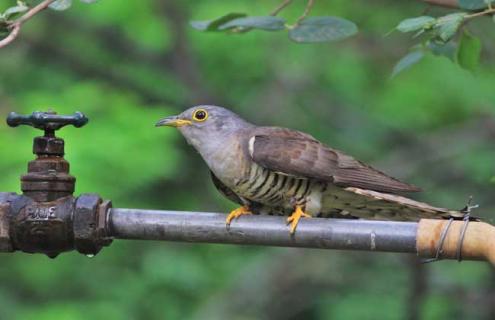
(272,169)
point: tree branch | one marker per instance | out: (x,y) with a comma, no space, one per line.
(14,32)
(280,7)
(308,8)
(15,26)
(481,13)
(443,3)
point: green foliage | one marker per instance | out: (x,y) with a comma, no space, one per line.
(9,16)
(312,29)
(214,25)
(469,51)
(268,23)
(304,30)
(407,61)
(474,4)
(415,24)
(12,11)
(322,29)
(441,29)
(61,5)
(447,26)
(448,50)
(438,34)
(238,22)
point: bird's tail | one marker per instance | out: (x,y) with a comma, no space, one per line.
(368,204)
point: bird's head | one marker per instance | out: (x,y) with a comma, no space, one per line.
(205,125)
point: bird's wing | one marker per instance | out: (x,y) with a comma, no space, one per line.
(298,154)
(226,191)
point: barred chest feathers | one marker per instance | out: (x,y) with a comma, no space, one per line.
(253,182)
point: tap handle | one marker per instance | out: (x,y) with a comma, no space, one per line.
(47,121)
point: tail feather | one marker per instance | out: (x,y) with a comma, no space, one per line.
(368,204)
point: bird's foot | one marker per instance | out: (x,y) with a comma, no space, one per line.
(294,218)
(234,214)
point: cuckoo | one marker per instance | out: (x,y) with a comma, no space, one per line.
(274,170)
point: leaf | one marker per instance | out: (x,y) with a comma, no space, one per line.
(60,5)
(200,25)
(269,23)
(413,24)
(474,4)
(469,51)
(4,31)
(443,49)
(321,29)
(449,24)
(213,25)
(407,61)
(21,7)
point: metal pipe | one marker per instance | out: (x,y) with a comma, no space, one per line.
(263,230)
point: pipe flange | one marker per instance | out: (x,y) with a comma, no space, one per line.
(85,222)
(89,225)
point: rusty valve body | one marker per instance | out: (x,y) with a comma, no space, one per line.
(47,218)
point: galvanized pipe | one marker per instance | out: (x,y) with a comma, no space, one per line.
(263,230)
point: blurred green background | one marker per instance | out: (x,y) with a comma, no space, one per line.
(126,64)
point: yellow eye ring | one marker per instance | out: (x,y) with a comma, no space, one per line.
(200,115)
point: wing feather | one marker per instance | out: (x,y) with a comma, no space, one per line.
(226,191)
(299,154)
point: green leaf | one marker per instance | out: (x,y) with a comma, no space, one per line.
(60,5)
(213,25)
(469,51)
(21,7)
(448,49)
(321,29)
(407,61)
(4,31)
(474,4)
(269,23)
(413,24)
(448,25)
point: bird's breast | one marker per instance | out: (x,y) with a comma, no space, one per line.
(275,189)
(228,162)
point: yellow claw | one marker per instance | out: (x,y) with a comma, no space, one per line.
(237,213)
(294,218)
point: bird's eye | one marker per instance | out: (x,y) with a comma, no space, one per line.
(200,115)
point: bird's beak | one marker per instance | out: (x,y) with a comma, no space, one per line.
(173,121)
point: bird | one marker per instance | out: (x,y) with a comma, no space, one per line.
(276,170)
